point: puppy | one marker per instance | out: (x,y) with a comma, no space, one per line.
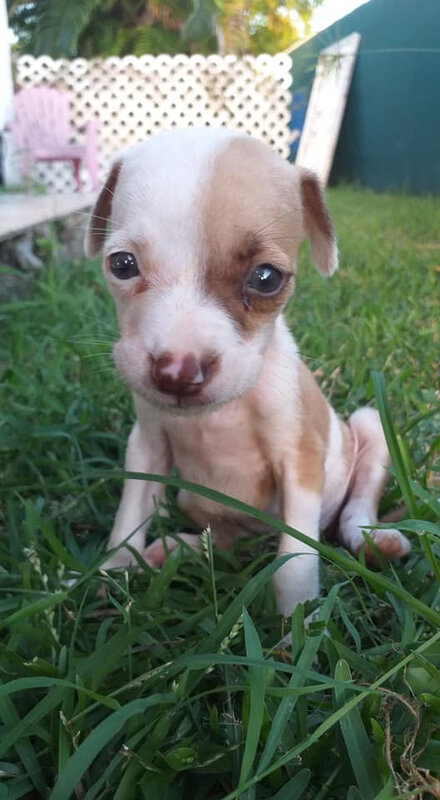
(201,259)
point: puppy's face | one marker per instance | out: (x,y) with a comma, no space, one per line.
(204,228)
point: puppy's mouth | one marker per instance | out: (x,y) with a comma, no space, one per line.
(188,401)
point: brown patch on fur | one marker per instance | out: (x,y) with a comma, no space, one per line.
(266,486)
(315,421)
(253,243)
(252,216)
(225,529)
(348,445)
(258,485)
(101,212)
(349,456)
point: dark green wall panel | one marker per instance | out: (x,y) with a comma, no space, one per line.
(390,136)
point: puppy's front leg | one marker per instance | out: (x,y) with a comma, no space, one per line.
(147,451)
(298,579)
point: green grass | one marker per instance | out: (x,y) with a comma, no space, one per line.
(174,687)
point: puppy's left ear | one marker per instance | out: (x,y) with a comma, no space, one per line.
(318,225)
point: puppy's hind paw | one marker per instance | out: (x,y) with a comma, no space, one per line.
(390,542)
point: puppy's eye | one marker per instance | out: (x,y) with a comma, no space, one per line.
(123,265)
(265,279)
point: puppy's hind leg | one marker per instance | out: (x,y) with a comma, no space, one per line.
(370,476)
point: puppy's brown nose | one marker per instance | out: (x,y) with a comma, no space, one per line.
(182,374)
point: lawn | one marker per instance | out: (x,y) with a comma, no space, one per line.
(174,686)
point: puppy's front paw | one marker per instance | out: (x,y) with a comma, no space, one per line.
(155,554)
(119,560)
(390,542)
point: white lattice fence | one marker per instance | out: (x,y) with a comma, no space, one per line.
(133,98)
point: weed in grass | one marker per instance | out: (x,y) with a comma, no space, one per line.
(174,685)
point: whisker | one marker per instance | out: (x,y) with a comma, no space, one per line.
(96,355)
(113,328)
(272,222)
(95,216)
(88,214)
(268,237)
(103,370)
(310,358)
(106,188)
(89,340)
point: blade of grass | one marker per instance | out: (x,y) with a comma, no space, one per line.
(430,557)
(392,441)
(256,692)
(160,582)
(295,787)
(196,661)
(89,748)
(305,660)
(333,719)
(357,742)
(34,608)
(18,788)
(231,615)
(418,526)
(23,746)
(21,728)
(429,498)
(21,684)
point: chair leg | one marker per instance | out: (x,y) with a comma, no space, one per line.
(76,175)
(92,165)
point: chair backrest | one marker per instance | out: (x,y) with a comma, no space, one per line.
(41,118)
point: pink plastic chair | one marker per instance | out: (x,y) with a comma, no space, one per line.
(41,128)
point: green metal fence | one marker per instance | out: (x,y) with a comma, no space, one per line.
(390,136)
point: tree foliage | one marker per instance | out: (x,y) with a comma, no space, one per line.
(263,26)
(93,28)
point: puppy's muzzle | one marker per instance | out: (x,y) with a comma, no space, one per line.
(185,374)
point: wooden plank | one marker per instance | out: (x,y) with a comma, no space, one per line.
(326,106)
(18,212)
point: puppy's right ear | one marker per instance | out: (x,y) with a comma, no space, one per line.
(101,213)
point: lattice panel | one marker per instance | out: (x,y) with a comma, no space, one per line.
(133,98)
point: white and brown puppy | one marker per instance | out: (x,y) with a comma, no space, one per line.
(201,258)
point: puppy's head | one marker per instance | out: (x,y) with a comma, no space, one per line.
(204,228)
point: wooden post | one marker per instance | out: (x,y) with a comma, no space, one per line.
(10,165)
